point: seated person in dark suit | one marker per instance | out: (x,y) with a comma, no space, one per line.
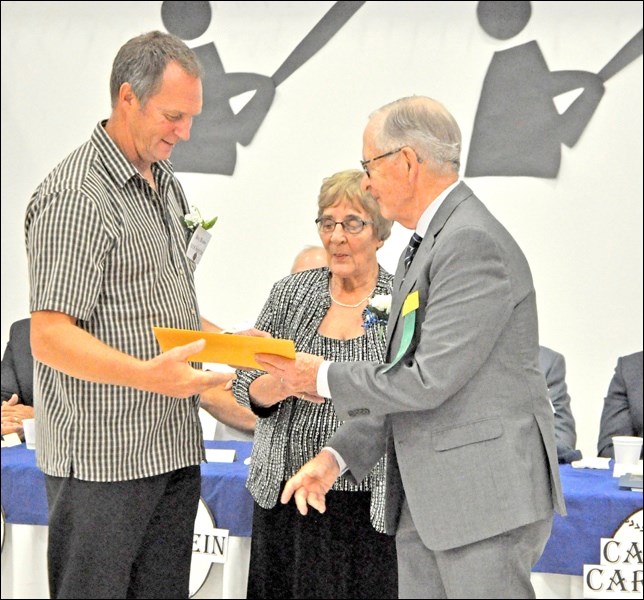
(553,366)
(17,379)
(622,412)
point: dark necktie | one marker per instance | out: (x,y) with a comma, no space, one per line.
(414,242)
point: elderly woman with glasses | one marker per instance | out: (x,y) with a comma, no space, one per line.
(329,311)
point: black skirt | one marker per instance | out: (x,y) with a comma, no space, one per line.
(337,554)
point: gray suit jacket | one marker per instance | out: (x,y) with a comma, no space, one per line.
(553,366)
(464,414)
(622,412)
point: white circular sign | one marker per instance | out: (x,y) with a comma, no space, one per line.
(209,545)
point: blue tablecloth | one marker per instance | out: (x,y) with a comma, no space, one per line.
(596,508)
(223,488)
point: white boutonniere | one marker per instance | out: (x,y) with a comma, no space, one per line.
(199,237)
(377,311)
(193,220)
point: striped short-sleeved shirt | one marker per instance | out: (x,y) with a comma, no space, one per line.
(107,249)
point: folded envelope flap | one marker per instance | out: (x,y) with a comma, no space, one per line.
(224,348)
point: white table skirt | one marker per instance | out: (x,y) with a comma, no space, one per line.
(24,569)
(24,566)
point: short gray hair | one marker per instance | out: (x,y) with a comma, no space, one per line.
(142,60)
(425,125)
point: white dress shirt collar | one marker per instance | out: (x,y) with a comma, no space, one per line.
(432,209)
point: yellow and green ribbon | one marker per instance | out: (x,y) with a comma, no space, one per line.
(408,313)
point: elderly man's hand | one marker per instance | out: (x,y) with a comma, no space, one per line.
(311,483)
(299,374)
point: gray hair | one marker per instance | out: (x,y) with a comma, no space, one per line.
(426,126)
(142,60)
(345,185)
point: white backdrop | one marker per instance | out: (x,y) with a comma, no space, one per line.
(581,232)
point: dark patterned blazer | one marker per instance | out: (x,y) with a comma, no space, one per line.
(293,431)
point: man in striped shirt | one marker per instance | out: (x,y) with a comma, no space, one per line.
(118,432)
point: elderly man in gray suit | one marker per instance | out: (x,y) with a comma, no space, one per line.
(462,407)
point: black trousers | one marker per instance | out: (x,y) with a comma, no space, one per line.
(124,539)
(337,554)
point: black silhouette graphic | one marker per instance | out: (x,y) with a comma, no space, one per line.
(212,147)
(518,130)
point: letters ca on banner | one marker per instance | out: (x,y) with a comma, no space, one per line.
(620,573)
(209,545)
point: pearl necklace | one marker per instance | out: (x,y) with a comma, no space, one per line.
(350,305)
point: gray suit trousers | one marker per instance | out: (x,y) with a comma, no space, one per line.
(467,571)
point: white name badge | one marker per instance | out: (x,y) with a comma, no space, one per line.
(198,243)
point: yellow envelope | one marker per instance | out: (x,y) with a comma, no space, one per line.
(225,348)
